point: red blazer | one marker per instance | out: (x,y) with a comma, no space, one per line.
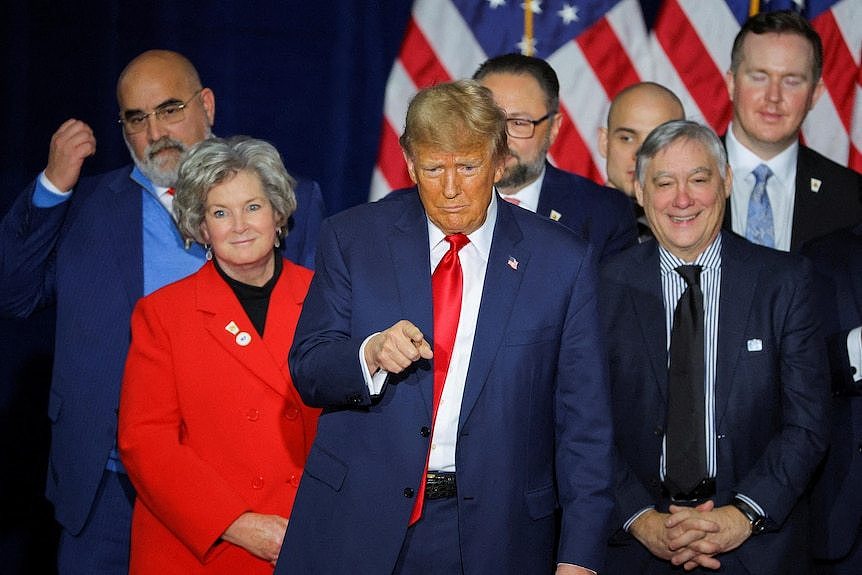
(210,428)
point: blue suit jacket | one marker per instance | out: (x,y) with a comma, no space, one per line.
(86,255)
(603,216)
(837,497)
(534,431)
(770,398)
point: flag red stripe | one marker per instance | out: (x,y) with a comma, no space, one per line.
(390,159)
(571,153)
(695,66)
(839,69)
(607,57)
(420,60)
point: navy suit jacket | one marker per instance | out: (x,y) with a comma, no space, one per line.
(86,255)
(602,216)
(534,431)
(837,497)
(836,204)
(770,397)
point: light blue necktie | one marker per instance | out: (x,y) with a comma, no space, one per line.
(759,229)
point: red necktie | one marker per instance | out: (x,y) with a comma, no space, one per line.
(171,191)
(512,200)
(446,286)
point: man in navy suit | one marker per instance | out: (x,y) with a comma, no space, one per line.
(837,498)
(774,80)
(528,91)
(94,247)
(519,460)
(761,390)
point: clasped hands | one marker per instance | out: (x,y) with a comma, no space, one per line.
(692,536)
(396,348)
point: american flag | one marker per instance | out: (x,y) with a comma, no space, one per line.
(599,47)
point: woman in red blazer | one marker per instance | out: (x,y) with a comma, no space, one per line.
(212,432)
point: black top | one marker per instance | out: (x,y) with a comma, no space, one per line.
(254,299)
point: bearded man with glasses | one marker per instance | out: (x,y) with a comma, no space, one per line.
(528,90)
(93,247)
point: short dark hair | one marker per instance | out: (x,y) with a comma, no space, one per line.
(778,22)
(519,64)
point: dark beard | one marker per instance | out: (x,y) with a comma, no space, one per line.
(520,175)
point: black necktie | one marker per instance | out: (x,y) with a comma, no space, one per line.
(685,465)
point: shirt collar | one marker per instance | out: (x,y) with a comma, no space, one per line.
(744,161)
(709,259)
(138,177)
(528,196)
(479,239)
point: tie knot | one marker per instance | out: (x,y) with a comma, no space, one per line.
(457,241)
(691,274)
(761,174)
(171,191)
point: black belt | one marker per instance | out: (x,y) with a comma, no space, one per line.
(702,492)
(440,485)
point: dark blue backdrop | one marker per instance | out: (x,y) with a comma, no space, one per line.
(307,76)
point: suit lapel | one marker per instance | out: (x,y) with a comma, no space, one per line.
(738,288)
(408,248)
(123,206)
(498,298)
(549,193)
(228,324)
(650,313)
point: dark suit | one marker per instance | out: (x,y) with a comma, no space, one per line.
(603,216)
(836,204)
(770,397)
(86,256)
(837,498)
(534,431)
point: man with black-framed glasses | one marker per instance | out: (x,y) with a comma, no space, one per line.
(528,90)
(93,247)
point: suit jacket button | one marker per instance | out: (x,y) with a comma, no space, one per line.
(252,414)
(291,412)
(408,492)
(424,431)
(658,431)
(294,480)
(257,483)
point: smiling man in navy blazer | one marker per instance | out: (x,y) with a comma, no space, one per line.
(522,435)
(761,379)
(527,89)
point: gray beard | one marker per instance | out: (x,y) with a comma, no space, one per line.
(159,176)
(520,175)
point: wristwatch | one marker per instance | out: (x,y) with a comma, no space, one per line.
(757,521)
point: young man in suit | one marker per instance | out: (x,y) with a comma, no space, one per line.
(784,193)
(528,90)
(718,378)
(93,247)
(465,429)
(634,112)
(836,501)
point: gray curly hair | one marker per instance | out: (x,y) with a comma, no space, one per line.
(215,160)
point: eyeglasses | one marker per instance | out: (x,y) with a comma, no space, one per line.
(524,127)
(169,113)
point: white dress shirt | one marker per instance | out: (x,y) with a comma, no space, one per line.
(474,261)
(528,196)
(780,187)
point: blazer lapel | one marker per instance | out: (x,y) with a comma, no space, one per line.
(227,322)
(549,193)
(650,313)
(855,265)
(408,248)
(735,301)
(498,298)
(124,229)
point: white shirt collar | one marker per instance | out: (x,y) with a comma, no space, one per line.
(528,196)
(744,161)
